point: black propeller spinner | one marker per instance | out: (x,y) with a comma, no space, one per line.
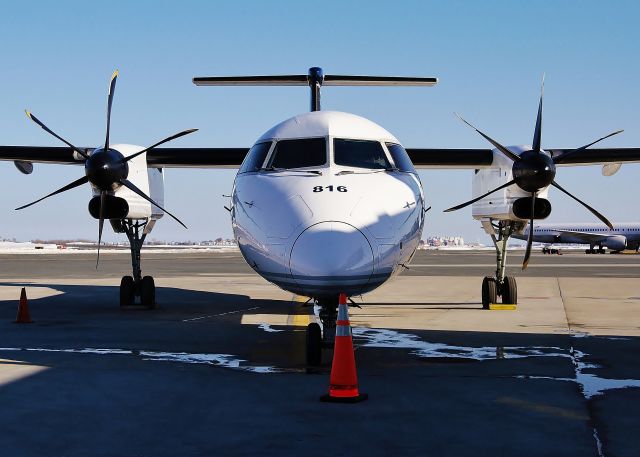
(106,169)
(533,171)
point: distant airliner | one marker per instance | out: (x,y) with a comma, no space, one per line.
(597,236)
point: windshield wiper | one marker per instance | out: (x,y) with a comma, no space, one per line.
(351,172)
(314,172)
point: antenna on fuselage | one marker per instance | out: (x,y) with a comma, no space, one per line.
(315,79)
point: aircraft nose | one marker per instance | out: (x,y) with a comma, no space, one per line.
(330,256)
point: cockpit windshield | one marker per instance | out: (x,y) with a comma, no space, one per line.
(360,154)
(299,153)
(255,157)
(400,158)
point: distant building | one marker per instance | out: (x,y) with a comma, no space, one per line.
(439,241)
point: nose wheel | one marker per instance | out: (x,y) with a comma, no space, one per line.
(314,344)
(322,337)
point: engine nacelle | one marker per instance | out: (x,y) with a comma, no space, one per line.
(126,204)
(616,243)
(507,204)
(522,208)
(114,207)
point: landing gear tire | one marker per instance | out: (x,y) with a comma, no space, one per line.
(148,292)
(314,344)
(509,291)
(489,291)
(127,291)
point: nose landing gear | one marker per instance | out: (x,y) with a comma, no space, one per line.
(318,338)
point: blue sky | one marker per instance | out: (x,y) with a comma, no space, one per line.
(58,56)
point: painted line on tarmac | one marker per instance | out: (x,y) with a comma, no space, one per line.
(543,265)
(217,315)
(218,360)
(591,384)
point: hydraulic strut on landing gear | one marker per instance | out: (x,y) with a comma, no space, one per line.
(136,286)
(318,338)
(500,285)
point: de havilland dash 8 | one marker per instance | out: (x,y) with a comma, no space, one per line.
(325,202)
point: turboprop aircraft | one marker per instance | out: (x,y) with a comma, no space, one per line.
(624,235)
(324,202)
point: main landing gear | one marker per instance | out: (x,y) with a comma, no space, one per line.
(136,286)
(317,339)
(595,250)
(500,285)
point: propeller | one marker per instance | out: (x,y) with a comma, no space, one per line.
(533,171)
(106,169)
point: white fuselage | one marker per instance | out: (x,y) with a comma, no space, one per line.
(327,229)
(624,235)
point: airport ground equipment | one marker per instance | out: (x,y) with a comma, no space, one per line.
(325,202)
(23,316)
(343,383)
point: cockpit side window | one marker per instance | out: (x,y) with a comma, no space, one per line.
(360,154)
(255,157)
(299,153)
(400,158)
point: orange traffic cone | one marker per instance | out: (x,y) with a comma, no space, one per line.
(343,385)
(23,309)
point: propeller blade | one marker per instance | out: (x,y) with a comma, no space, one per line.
(527,253)
(537,134)
(595,213)
(112,88)
(166,140)
(103,198)
(75,183)
(455,208)
(128,184)
(505,151)
(48,130)
(564,155)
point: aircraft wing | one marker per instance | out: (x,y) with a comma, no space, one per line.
(421,158)
(481,158)
(583,236)
(158,157)
(451,158)
(233,157)
(41,154)
(598,156)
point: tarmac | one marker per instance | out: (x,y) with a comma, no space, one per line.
(218,368)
